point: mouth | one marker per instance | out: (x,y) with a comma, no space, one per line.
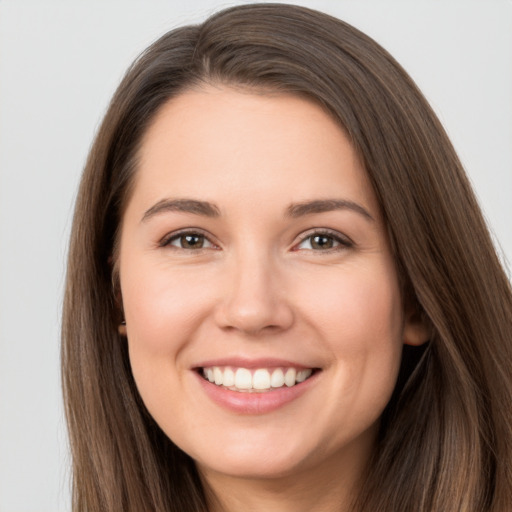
(255,380)
(255,386)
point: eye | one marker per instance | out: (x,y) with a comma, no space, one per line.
(190,240)
(324,241)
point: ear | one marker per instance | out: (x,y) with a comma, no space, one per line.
(121,329)
(121,323)
(416,330)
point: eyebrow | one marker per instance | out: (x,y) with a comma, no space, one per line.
(182,205)
(295,210)
(326,205)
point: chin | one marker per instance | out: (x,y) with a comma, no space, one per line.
(252,468)
(253,460)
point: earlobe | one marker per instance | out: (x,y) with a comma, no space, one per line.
(416,330)
(121,328)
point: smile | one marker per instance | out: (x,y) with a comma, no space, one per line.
(256,380)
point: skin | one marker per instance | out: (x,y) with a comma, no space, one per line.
(258,287)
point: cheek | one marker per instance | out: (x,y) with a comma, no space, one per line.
(162,306)
(359,314)
(357,307)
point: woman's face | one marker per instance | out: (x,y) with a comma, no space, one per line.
(253,254)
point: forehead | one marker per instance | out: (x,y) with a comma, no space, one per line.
(219,141)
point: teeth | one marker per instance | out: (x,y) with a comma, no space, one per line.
(289,377)
(277,379)
(302,375)
(243,379)
(217,375)
(229,377)
(261,379)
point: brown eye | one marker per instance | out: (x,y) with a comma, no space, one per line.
(324,242)
(190,241)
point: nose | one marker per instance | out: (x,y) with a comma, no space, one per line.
(254,300)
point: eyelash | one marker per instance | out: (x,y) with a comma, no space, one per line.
(168,239)
(342,241)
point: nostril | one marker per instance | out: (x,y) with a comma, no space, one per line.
(254,319)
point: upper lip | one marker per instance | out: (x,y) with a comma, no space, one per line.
(242,362)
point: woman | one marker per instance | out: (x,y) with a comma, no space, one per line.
(281,293)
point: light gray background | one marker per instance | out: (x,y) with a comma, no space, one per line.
(60,63)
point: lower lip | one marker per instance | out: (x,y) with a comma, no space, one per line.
(255,403)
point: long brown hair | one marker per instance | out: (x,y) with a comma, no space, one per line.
(446,436)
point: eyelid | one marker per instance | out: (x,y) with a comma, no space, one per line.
(169,237)
(344,241)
